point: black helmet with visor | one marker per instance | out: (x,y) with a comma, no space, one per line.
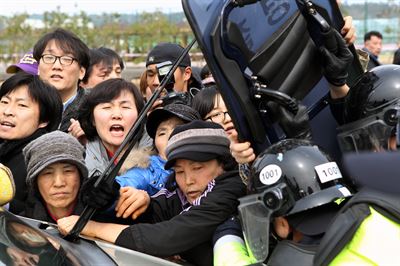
(289,177)
(371,111)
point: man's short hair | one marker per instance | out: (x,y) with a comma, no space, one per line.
(369,34)
(47,97)
(104,56)
(68,42)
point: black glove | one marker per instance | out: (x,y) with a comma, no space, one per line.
(336,58)
(295,126)
(102,197)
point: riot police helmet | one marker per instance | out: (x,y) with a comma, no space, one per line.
(290,178)
(371,111)
(312,178)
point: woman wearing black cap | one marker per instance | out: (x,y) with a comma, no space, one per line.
(203,194)
(146,171)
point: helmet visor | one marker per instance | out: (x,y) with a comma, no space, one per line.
(255,218)
(255,213)
(370,134)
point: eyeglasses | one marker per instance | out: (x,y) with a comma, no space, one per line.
(64,60)
(217,117)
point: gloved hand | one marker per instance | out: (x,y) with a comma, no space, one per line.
(295,126)
(101,197)
(336,58)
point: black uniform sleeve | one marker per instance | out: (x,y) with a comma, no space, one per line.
(337,109)
(190,228)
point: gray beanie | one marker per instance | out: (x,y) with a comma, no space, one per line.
(50,148)
(198,141)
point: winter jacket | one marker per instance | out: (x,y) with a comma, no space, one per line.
(12,157)
(373,60)
(35,209)
(150,177)
(72,110)
(177,227)
(97,157)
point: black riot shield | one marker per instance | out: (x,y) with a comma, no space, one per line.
(250,44)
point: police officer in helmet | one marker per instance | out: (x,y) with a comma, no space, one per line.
(370,111)
(296,188)
(372,216)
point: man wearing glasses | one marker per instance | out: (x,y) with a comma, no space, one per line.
(63,59)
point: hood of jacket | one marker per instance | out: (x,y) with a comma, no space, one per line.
(139,157)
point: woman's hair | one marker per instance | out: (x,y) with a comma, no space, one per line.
(143,83)
(47,97)
(204,100)
(105,92)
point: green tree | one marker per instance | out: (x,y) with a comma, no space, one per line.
(151,29)
(16,35)
(54,19)
(111,30)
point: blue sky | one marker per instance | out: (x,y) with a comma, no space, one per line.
(89,6)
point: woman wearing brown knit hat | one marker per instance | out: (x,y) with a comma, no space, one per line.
(203,194)
(55,170)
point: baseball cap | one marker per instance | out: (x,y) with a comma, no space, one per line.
(182,111)
(27,63)
(163,52)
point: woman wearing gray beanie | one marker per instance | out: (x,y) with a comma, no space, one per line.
(55,171)
(182,220)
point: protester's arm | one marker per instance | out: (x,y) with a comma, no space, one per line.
(182,232)
(348,31)
(338,92)
(190,228)
(132,202)
(105,231)
(241,151)
(76,130)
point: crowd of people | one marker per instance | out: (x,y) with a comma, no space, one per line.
(65,113)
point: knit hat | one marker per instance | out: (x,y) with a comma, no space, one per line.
(163,52)
(27,64)
(56,146)
(182,111)
(198,141)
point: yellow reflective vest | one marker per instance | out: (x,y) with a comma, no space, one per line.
(366,231)
(376,242)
